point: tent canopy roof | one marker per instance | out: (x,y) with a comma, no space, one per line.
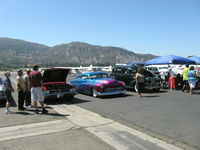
(169,59)
(195,58)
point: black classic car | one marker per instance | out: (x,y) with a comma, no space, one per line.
(127,74)
(55,85)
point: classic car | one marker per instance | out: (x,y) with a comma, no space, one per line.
(127,73)
(98,84)
(55,85)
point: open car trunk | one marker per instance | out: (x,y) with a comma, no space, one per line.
(55,75)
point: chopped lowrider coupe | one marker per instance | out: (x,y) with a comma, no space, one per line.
(55,85)
(98,84)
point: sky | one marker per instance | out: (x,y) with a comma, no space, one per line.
(159,27)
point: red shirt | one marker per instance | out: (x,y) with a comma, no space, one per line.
(35,78)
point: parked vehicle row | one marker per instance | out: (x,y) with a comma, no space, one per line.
(91,83)
(127,74)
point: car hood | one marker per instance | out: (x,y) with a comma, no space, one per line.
(105,81)
(55,75)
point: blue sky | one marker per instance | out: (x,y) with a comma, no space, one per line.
(159,27)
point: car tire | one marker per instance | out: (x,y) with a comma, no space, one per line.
(132,85)
(94,92)
(156,90)
(70,98)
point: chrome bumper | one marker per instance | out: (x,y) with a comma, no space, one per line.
(111,93)
(59,94)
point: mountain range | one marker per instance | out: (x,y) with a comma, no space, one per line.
(15,52)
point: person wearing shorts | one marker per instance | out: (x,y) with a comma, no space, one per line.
(185,78)
(139,86)
(35,79)
(192,76)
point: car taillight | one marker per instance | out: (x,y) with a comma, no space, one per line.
(44,88)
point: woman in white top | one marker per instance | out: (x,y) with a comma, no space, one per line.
(139,86)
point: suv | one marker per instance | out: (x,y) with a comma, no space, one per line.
(55,85)
(127,74)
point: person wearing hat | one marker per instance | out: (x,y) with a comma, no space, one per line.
(21,88)
(9,90)
(35,79)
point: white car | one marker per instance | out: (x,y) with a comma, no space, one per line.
(2,92)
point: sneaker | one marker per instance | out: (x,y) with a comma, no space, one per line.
(44,111)
(37,111)
(29,106)
(8,112)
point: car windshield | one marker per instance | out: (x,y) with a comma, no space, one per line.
(95,76)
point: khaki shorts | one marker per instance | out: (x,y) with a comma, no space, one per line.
(37,94)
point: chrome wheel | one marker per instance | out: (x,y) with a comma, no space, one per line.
(94,93)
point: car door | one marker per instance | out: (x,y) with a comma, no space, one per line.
(129,76)
(117,73)
(79,82)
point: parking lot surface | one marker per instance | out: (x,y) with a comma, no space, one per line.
(172,116)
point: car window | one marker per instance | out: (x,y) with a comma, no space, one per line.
(95,76)
(105,75)
(117,70)
(84,77)
(147,73)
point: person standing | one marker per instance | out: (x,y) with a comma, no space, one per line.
(21,88)
(139,86)
(192,76)
(185,78)
(35,79)
(9,90)
(27,92)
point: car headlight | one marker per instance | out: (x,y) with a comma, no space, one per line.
(47,92)
(102,86)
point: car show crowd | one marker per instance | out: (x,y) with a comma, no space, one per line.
(35,87)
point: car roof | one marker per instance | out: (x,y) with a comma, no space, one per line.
(126,66)
(92,73)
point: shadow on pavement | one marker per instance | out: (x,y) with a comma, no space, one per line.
(196,93)
(153,92)
(27,112)
(115,96)
(64,101)
(151,96)
(23,113)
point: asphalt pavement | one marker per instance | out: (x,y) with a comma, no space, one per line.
(166,118)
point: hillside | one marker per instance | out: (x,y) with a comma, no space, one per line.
(15,52)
